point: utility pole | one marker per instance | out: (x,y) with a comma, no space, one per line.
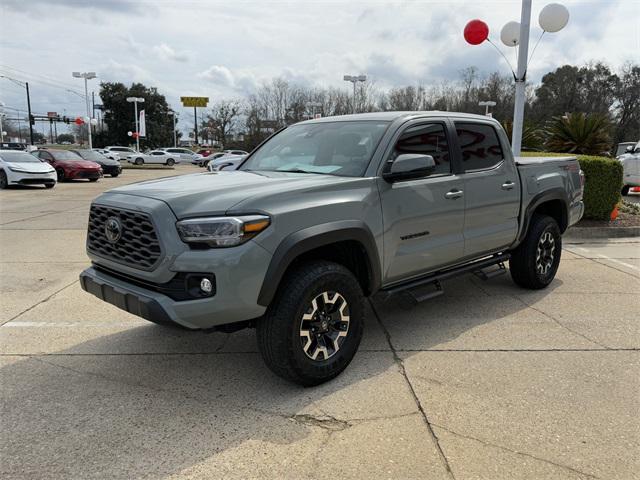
(26,85)
(135,101)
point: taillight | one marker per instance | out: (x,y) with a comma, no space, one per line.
(582,179)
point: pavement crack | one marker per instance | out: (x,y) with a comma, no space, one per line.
(421,409)
(560,324)
(39,303)
(516,452)
(324,421)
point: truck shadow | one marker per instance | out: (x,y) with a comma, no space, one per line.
(180,400)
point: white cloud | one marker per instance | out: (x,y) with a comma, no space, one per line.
(165,52)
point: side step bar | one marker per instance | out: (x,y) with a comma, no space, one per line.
(477,267)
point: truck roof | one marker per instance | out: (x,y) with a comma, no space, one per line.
(391,116)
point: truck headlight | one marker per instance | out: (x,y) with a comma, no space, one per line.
(222,231)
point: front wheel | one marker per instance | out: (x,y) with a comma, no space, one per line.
(115,174)
(93,179)
(170,162)
(138,161)
(534,263)
(49,185)
(60,173)
(313,327)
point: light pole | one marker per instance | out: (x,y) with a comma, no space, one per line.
(135,101)
(1,129)
(87,76)
(487,104)
(175,120)
(354,79)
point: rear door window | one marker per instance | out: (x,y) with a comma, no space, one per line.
(480,146)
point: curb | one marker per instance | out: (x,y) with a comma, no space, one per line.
(601,232)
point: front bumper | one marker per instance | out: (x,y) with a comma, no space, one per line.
(23,178)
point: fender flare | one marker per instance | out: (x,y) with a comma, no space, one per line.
(308,239)
(536,201)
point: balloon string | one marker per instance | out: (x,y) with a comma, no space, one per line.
(503,56)
(534,48)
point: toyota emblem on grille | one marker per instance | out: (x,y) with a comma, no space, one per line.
(113,229)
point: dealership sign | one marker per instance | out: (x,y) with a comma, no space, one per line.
(194,101)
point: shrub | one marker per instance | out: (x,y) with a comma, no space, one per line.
(603,182)
(579,133)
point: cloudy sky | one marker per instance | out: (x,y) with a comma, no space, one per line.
(227,48)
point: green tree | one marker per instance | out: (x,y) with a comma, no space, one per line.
(119,116)
(65,137)
(627,107)
(579,133)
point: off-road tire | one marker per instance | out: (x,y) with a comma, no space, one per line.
(278,332)
(625,190)
(523,261)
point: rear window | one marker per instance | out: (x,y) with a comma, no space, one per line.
(480,146)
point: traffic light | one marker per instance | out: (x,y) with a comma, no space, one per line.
(32,120)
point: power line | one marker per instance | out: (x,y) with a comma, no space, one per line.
(6,74)
(43,78)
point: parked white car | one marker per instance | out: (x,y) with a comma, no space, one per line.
(228,162)
(631,168)
(161,157)
(184,154)
(107,153)
(22,168)
(120,153)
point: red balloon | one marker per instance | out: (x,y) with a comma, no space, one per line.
(79,121)
(476,32)
(134,135)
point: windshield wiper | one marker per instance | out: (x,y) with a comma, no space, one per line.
(295,170)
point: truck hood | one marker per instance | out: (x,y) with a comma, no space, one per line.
(217,192)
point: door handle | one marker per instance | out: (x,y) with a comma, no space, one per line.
(453,194)
(508,185)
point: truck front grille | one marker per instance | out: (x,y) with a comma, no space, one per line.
(135,243)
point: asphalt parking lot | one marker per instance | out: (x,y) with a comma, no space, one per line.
(488,381)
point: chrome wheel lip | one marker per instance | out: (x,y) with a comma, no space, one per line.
(545,253)
(324,326)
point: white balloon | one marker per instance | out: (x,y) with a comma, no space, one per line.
(554,17)
(510,34)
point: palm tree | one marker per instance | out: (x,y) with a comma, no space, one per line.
(580,133)
(531,136)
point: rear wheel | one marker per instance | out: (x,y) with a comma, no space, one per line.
(138,161)
(115,174)
(3,180)
(625,190)
(93,179)
(313,327)
(535,261)
(170,162)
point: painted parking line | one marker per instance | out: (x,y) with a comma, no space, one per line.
(604,257)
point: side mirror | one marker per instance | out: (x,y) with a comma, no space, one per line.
(408,166)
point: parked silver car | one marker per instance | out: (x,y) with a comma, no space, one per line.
(226,162)
(160,157)
(184,154)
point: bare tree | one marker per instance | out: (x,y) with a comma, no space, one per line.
(224,119)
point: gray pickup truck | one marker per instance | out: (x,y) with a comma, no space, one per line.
(322,215)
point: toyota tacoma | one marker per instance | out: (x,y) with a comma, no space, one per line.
(322,215)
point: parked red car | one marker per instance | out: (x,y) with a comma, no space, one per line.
(69,165)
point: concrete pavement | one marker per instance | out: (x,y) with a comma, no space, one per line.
(488,381)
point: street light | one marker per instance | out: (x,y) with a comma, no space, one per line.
(487,104)
(87,76)
(354,79)
(135,101)
(175,120)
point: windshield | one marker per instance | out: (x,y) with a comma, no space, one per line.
(65,155)
(335,148)
(18,157)
(90,155)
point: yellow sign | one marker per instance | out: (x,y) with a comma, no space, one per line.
(194,101)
